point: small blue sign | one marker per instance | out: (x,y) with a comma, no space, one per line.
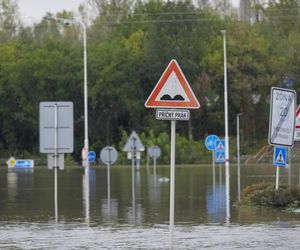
(280,156)
(220,145)
(210,142)
(92,156)
(220,156)
(19,163)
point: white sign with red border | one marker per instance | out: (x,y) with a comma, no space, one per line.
(172,90)
(297,125)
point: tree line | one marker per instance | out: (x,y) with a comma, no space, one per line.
(129,44)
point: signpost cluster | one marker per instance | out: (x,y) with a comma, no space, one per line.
(172,96)
(282,125)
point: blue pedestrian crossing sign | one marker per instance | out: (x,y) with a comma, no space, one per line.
(219,156)
(280,156)
(220,145)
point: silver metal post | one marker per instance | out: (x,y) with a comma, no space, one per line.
(56,160)
(227,173)
(277,177)
(108,184)
(238,153)
(172,181)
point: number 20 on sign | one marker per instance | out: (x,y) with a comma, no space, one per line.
(282,117)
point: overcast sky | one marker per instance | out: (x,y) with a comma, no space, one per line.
(33,10)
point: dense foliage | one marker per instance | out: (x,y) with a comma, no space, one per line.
(129,45)
(265,194)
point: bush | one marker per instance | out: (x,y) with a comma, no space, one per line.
(265,194)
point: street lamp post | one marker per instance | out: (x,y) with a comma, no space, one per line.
(238,152)
(64,21)
(227,179)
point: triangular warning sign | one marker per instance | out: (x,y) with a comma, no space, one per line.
(172,90)
(220,146)
(220,157)
(280,157)
(133,143)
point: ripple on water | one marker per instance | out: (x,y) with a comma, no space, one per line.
(81,236)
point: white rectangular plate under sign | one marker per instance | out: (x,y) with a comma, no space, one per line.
(297,135)
(282,117)
(172,114)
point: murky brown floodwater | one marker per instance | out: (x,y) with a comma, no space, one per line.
(139,218)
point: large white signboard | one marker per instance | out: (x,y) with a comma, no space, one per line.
(282,117)
(64,127)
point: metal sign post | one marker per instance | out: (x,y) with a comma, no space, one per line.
(172,181)
(108,156)
(154,152)
(56,137)
(172,91)
(56,161)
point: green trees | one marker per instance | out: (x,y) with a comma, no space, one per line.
(130,43)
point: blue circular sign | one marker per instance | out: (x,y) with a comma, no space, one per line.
(210,142)
(92,156)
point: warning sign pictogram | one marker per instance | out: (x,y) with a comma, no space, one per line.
(279,156)
(172,90)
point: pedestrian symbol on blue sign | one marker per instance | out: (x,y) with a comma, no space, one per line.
(280,156)
(219,156)
(220,145)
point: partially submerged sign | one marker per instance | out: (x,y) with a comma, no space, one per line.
(134,144)
(64,118)
(92,156)
(282,117)
(19,163)
(109,155)
(172,90)
(210,142)
(154,151)
(219,156)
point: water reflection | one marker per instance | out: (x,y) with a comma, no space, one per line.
(18,182)
(216,203)
(199,196)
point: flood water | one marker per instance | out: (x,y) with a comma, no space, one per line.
(91,217)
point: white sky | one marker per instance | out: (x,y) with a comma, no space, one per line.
(33,10)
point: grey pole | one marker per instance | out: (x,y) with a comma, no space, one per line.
(238,153)
(56,162)
(227,174)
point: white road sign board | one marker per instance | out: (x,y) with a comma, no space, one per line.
(297,125)
(172,114)
(282,117)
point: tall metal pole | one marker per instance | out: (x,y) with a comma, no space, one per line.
(238,153)
(172,181)
(86,138)
(56,162)
(227,179)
